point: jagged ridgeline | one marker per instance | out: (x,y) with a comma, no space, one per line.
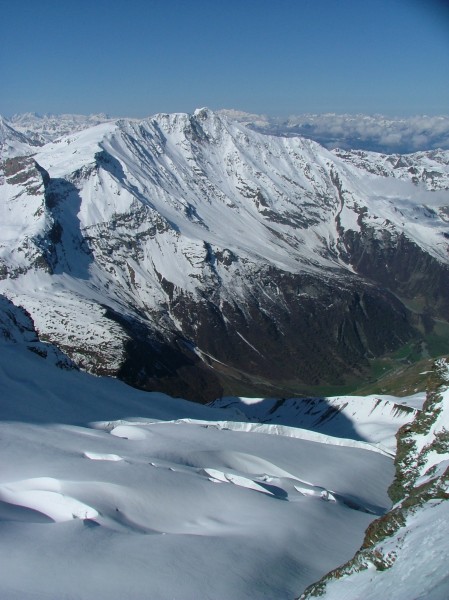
(189,254)
(401,554)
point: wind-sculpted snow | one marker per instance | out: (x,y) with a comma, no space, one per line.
(173,514)
(286,431)
(110,492)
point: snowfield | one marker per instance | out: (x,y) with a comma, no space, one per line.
(374,419)
(108,492)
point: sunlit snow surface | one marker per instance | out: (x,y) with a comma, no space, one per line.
(108,492)
(374,419)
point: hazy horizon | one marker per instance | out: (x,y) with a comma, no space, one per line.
(272,115)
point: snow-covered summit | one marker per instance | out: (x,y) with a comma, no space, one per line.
(188,253)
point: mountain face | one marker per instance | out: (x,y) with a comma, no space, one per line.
(187,253)
(402,555)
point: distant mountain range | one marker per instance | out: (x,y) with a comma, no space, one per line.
(192,254)
(41,129)
(375,133)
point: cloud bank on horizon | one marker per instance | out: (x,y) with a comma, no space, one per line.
(364,132)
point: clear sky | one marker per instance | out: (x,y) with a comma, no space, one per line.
(279,57)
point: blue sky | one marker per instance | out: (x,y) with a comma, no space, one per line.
(280,57)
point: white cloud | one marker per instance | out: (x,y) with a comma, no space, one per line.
(365,132)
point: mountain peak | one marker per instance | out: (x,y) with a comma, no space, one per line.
(202,113)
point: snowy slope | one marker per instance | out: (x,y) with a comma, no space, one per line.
(226,252)
(108,492)
(430,168)
(176,164)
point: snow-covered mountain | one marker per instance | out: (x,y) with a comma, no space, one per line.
(404,552)
(109,492)
(187,252)
(22,133)
(47,128)
(12,142)
(428,168)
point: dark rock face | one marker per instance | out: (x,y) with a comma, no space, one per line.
(308,330)
(164,363)
(393,261)
(296,330)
